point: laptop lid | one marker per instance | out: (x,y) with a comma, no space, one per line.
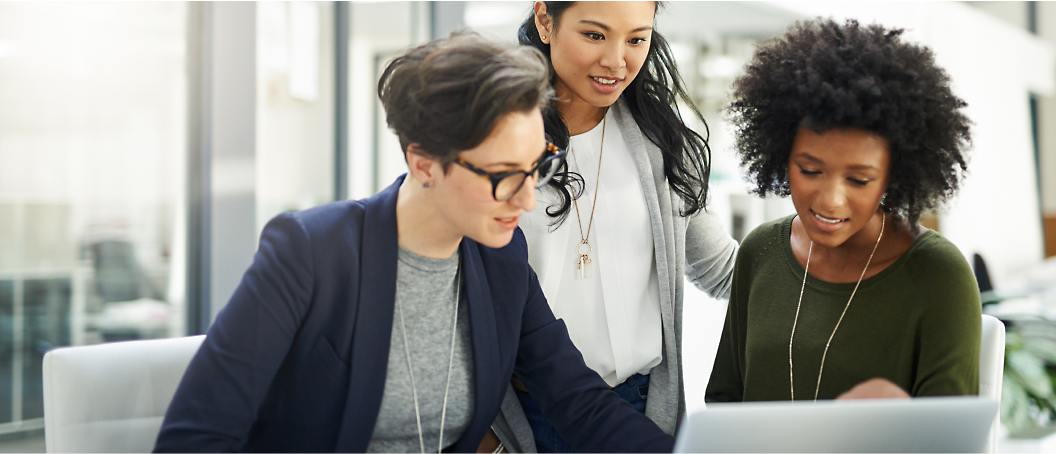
(926,424)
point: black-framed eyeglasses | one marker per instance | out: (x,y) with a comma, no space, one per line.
(505,184)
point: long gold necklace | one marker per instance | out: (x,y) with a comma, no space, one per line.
(583,248)
(791,380)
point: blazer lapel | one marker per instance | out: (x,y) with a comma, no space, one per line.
(485,341)
(373,320)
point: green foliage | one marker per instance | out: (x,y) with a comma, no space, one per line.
(1028,395)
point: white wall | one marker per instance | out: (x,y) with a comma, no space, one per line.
(1046,20)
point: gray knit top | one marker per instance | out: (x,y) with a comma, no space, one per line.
(425,292)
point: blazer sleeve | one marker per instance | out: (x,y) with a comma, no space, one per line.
(573,397)
(218,399)
(710,254)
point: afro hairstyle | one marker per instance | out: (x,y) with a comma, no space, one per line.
(823,75)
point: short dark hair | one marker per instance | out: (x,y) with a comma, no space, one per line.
(448,95)
(823,75)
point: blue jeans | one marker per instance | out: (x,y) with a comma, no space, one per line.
(634,390)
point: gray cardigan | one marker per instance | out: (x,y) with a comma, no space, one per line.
(697,247)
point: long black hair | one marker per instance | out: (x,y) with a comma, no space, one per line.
(652,98)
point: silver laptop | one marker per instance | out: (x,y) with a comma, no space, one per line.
(926,424)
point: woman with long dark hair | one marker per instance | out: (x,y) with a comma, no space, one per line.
(624,221)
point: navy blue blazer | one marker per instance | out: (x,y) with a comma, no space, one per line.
(297,359)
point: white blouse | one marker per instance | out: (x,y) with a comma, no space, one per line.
(613,315)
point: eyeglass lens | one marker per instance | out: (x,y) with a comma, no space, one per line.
(546,171)
(512,183)
(508,186)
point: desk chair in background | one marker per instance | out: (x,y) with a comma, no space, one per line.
(112,397)
(992,369)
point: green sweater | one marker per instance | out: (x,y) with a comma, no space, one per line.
(916,323)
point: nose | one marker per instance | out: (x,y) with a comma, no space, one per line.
(833,195)
(524,198)
(614,57)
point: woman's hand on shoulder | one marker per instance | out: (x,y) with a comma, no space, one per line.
(875,388)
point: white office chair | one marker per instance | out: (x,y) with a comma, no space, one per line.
(112,397)
(992,369)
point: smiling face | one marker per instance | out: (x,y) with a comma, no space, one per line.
(464,199)
(837,180)
(597,48)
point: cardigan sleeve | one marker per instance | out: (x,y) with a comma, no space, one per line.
(218,399)
(710,253)
(573,397)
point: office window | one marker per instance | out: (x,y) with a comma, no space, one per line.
(295,107)
(92,171)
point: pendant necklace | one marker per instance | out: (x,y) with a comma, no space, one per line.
(583,248)
(791,381)
(450,363)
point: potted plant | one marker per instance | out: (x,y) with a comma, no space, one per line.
(1028,396)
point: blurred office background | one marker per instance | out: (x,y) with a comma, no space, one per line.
(143,146)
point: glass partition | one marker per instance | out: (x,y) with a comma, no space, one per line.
(92,170)
(295,107)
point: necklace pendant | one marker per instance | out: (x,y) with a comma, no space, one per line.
(582,266)
(584,250)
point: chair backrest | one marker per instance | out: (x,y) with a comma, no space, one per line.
(112,397)
(992,369)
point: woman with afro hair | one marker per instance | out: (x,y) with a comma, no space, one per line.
(849,297)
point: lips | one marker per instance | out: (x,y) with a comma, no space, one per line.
(605,85)
(827,224)
(508,223)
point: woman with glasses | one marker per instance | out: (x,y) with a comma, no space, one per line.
(394,323)
(624,221)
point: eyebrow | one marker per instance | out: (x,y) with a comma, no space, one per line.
(512,165)
(506,166)
(811,158)
(606,27)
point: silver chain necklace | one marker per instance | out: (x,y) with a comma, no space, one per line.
(791,381)
(450,362)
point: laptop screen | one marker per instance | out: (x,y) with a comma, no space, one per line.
(926,424)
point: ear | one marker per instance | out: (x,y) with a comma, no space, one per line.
(421,166)
(543,22)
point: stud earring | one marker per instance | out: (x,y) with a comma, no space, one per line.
(544,39)
(425,185)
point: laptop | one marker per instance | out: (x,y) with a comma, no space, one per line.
(925,424)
